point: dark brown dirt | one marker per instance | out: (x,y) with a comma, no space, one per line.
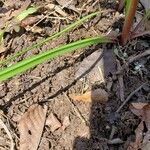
(46,83)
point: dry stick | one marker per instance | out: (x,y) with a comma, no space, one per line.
(132,59)
(8,133)
(129,97)
(121,83)
(140,34)
(77,111)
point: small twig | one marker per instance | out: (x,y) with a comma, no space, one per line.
(8,133)
(121,83)
(135,35)
(129,97)
(132,59)
(77,111)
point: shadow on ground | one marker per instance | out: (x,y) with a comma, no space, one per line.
(97,119)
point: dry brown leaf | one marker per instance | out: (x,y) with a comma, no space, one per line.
(146,116)
(146,146)
(10,13)
(57,9)
(143,111)
(146,4)
(146,141)
(68,4)
(137,112)
(139,105)
(89,64)
(66,123)
(31,127)
(45,144)
(2,48)
(29,21)
(53,122)
(139,137)
(23,7)
(99,95)
(147,24)
(97,66)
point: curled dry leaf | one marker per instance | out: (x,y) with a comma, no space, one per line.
(53,122)
(142,139)
(31,127)
(99,95)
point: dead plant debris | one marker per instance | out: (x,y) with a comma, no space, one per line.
(98,95)
(31,127)
(71,122)
(142,141)
(53,122)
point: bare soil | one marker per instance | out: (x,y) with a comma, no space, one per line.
(47,83)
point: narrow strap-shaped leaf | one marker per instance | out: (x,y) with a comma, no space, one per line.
(26,13)
(50,54)
(40,43)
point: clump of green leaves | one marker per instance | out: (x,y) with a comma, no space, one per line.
(22,66)
(31,62)
(50,54)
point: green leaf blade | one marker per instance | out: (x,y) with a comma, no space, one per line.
(40,43)
(26,13)
(29,63)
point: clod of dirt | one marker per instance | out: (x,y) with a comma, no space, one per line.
(98,95)
(53,122)
(31,127)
